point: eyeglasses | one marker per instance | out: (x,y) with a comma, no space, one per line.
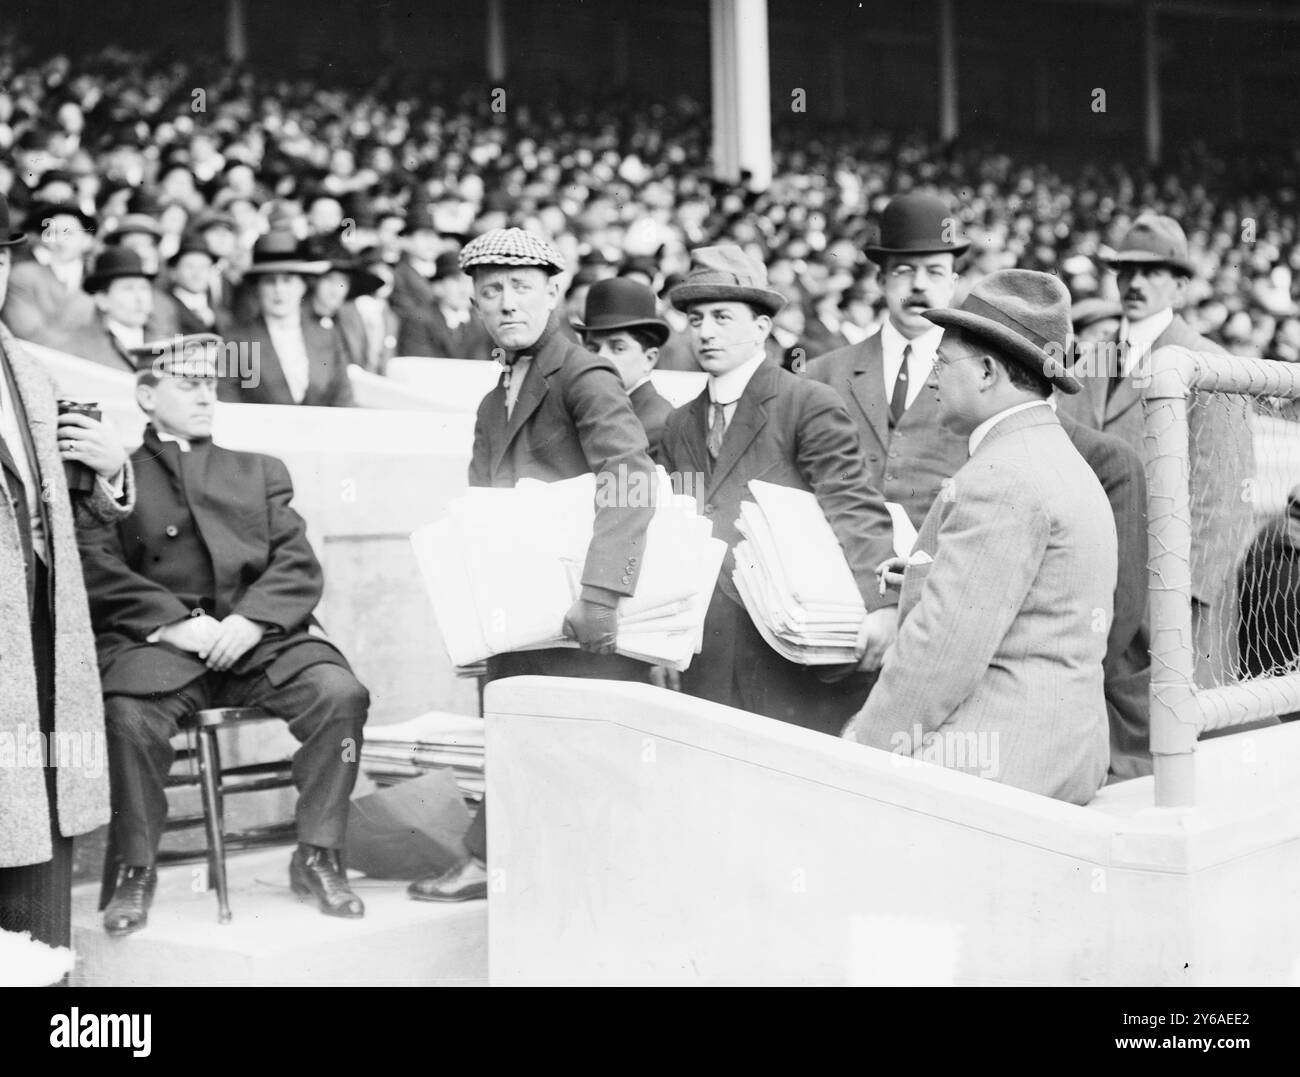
(942,361)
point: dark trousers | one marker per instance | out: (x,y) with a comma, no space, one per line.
(554,662)
(325,706)
(737,668)
(38,897)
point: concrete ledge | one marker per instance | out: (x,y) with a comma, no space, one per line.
(638,836)
(276,940)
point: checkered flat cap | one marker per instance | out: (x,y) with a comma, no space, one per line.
(511,247)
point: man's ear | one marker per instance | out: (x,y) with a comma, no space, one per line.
(101,302)
(990,372)
(553,291)
(144,397)
(764,323)
(652,358)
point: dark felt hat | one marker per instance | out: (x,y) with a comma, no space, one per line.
(1025,315)
(339,258)
(191,243)
(38,213)
(112,264)
(620,303)
(281,252)
(1154,240)
(916,224)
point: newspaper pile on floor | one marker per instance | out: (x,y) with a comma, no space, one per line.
(400,750)
(504,566)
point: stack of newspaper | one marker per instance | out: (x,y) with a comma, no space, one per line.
(793,578)
(505,566)
(401,750)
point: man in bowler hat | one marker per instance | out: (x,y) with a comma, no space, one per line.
(623,328)
(997,668)
(909,453)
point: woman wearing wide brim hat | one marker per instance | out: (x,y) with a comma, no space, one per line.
(282,252)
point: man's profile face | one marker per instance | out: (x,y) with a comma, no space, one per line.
(180,406)
(515,303)
(914,283)
(1147,289)
(725,335)
(957,378)
(280,294)
(127,300)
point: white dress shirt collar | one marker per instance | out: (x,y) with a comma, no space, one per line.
(291,349)
(638,385)
(919,363)
(1140,336)
(982,431)
(728,388)
(181,443)
(127,336)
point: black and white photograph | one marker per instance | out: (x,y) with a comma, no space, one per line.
(827,472)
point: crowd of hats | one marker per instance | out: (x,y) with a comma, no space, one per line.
(493,594)
(617,183)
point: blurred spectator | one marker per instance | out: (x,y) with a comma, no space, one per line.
(121,285)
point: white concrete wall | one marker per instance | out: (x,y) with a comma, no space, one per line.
(640,837)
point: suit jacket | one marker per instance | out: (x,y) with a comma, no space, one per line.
(412,290)
(792,432)
(96,343)
(997,669)
(328,385)
(78,708)
(1127,666)
(213,529)
(1221,458)
(910,462)
(572,416)
(184,319)
(40,309)
(427,333)
(653,411)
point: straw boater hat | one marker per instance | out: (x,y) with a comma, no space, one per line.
(1154,240)
(1021,313)
(726,274)
(511,247)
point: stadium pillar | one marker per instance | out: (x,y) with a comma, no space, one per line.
(742,107)
(496,40)
(1151,80)
(948,124)
(236,31)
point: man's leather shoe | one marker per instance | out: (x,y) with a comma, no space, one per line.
(318,873)
(464,882)
(129,910)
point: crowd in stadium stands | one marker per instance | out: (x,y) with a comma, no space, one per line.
(188,166)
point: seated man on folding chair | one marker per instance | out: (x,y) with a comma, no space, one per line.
(203,597)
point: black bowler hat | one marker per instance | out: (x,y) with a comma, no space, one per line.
(191,243)
(281,252)
(9,236)
(447,264)
(916,224)
(38,213)
(112,264)
(620,303)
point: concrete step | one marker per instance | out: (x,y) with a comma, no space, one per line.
(274,939)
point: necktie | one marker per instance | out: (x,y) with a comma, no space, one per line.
(1117,375)
(898,399)
(717,429)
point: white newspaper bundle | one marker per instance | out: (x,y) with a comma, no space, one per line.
(793,578)
(504,566)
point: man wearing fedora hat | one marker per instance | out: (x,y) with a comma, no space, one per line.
(623,328)
(1007,596)
(297,360)
(1153,268)
(46,301)
(909,454)
(558,412)
(755,420)
(49,689)
(205,598)
(447,327)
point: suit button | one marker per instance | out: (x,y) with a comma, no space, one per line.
(627,581)
(708,510)
(172,531)
(631,560)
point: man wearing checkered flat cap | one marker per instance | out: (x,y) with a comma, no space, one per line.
(1008,594)
(559,411)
